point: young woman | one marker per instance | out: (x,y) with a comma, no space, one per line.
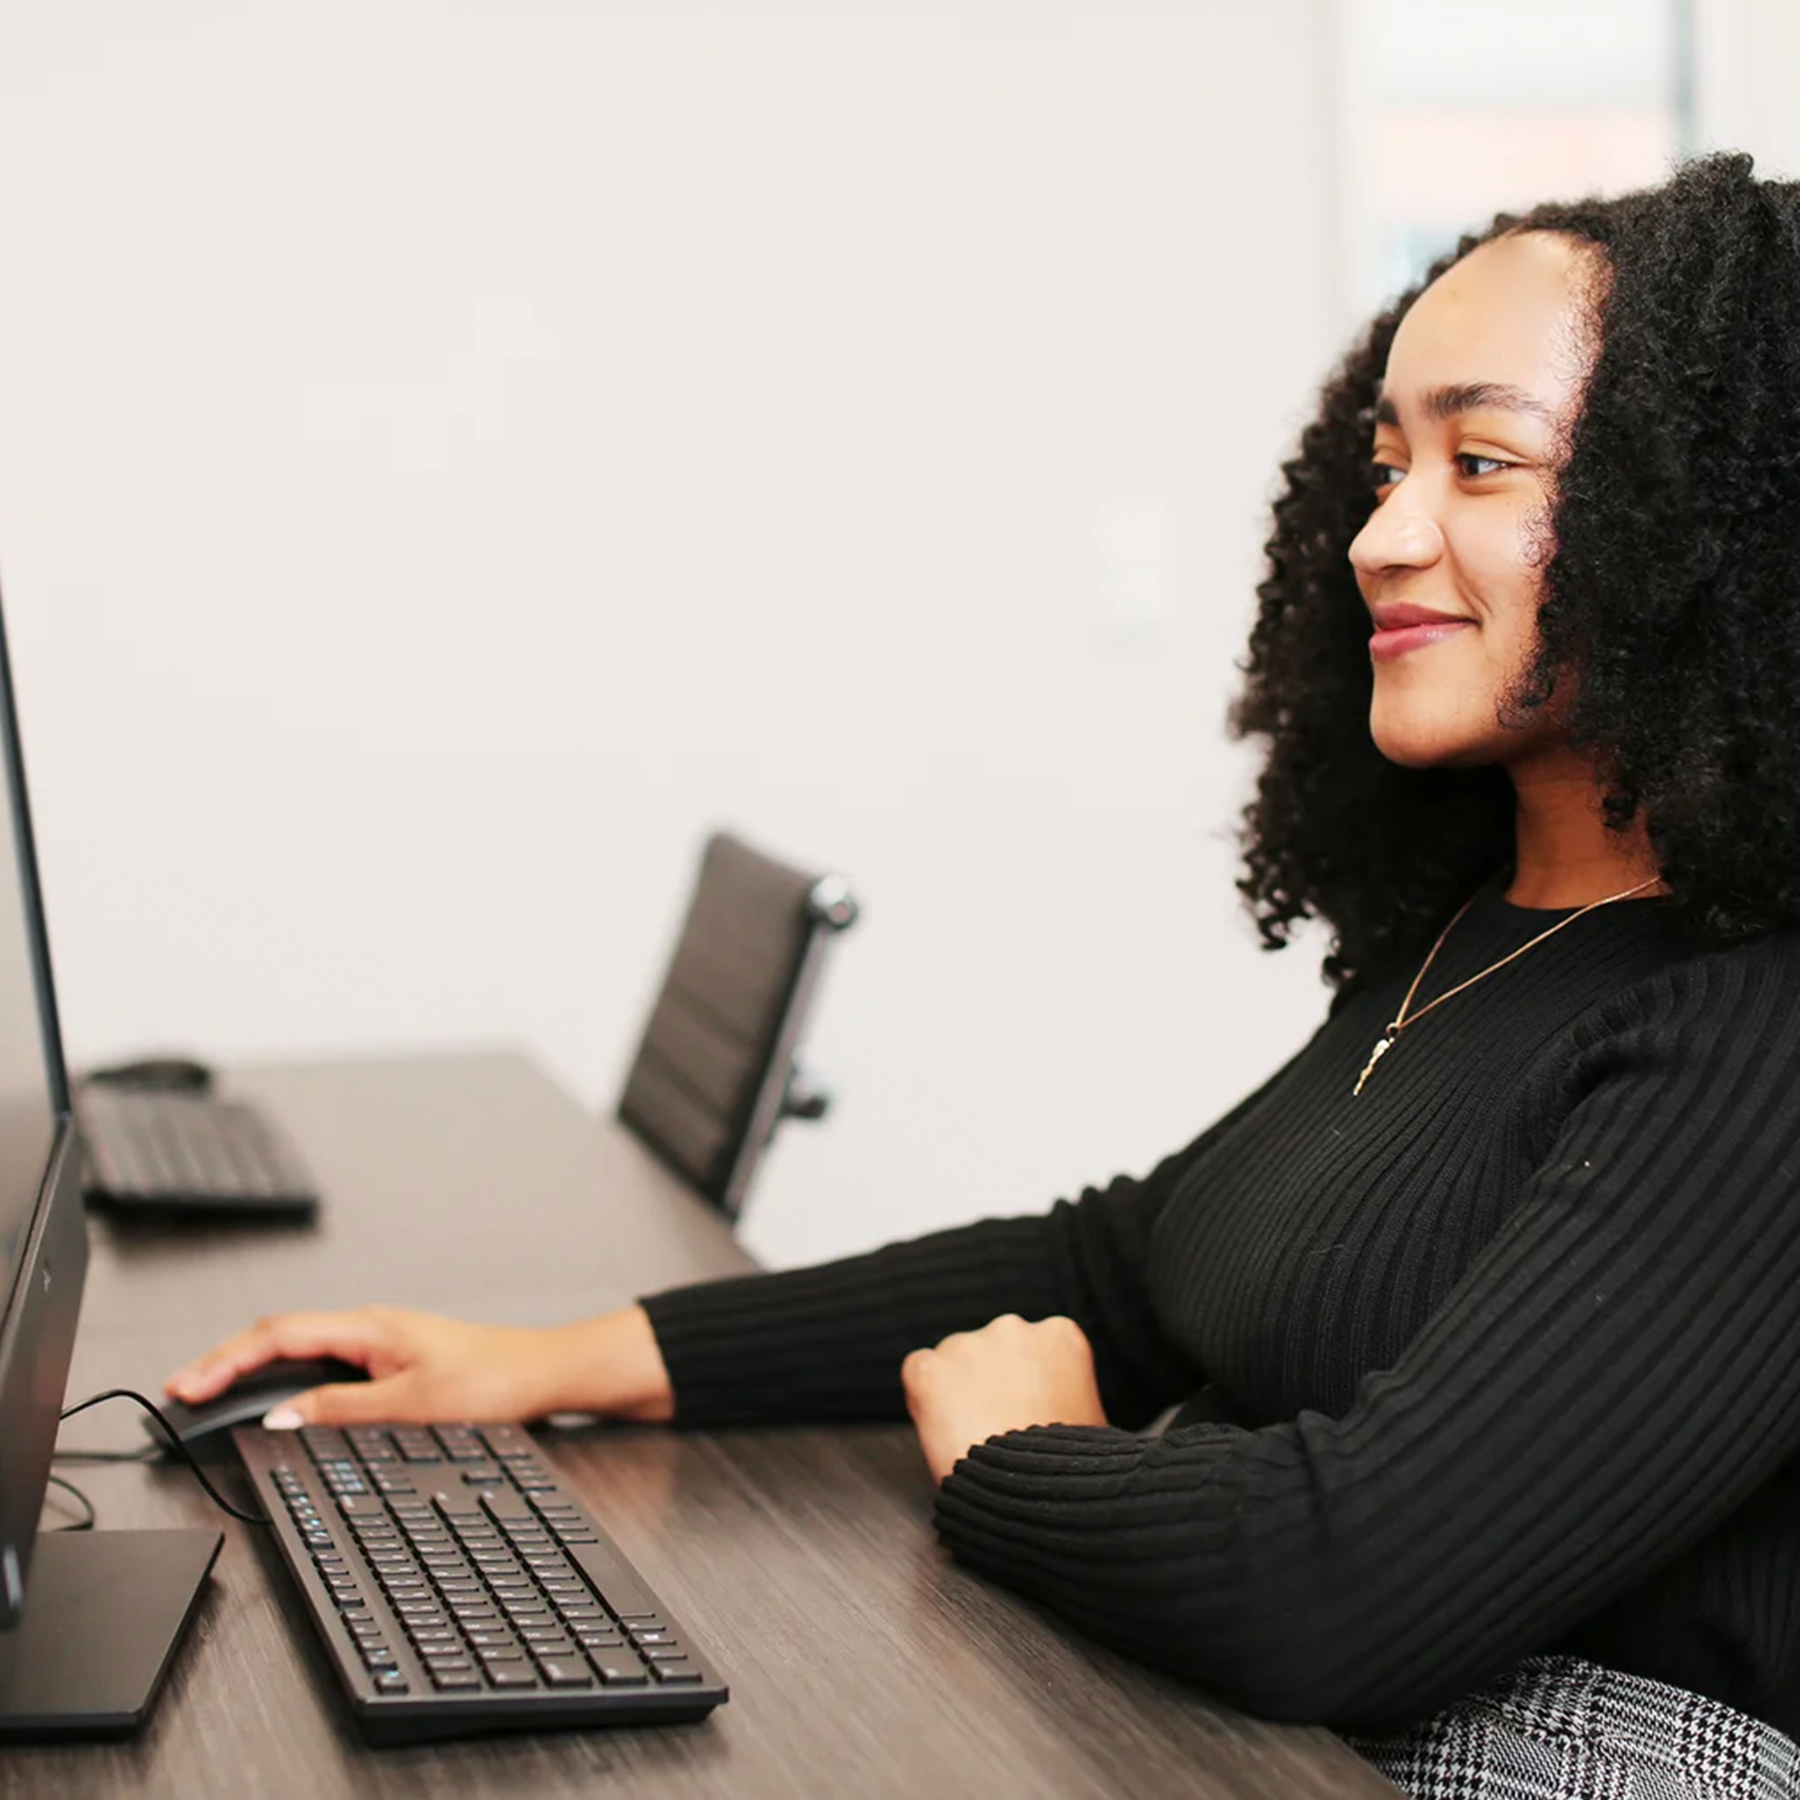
(1481,1316)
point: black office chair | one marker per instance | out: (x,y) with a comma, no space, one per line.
(715,1071)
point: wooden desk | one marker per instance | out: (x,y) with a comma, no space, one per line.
(862,1662)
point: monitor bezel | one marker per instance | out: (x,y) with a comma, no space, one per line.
(31,883)
(43,1304)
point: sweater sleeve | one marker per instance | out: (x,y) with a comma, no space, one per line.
(826,1343)
(1614,1374)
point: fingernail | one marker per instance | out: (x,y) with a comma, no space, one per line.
(282,1418)
(180,1381)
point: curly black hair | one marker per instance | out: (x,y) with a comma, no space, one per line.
(1671,590)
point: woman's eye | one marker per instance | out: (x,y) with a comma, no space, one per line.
(1474,467)
(1384,475)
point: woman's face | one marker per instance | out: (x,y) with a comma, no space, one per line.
(1483,378)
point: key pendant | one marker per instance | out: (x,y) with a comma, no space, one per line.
(1380,1050)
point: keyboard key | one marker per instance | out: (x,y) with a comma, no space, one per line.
(506,1508)
(676,1674)
(617,1669)
(512,1675)
(390,1681)
(564,1674)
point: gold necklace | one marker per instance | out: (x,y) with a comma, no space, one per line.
(1401,1021)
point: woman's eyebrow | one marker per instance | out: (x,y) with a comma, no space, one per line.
(1441,403)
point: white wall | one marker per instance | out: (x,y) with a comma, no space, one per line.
(454,451)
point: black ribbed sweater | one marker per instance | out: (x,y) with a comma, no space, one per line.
(1502,1356)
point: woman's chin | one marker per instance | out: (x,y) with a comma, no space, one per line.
(1418,743)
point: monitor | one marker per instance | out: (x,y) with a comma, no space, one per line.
(88,1621)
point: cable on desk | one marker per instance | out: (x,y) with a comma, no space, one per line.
(174,1443)
(82,1524)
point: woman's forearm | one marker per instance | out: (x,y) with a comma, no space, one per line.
(610,1365)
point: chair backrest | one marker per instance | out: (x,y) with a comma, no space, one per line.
(714,1072)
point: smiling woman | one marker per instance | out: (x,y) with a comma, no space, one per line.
(1485,1345)
(1577,432)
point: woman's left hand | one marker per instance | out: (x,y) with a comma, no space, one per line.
(1005,1376)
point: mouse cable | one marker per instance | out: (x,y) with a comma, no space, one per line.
(174,1443)
(82,1524)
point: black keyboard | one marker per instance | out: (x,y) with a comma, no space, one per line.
(189,1153)
(458,1587)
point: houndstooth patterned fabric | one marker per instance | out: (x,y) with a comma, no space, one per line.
(1563,1728)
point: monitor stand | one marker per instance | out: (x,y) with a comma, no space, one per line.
(103,1613)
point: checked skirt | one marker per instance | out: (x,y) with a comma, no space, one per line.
(1563,1728)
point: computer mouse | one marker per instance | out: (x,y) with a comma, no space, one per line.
(160,1074)
(205,1429)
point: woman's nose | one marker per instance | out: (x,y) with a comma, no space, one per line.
(1400,534)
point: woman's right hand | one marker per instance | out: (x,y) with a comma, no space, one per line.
(424,1368)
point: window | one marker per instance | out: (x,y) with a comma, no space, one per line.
(1454,114)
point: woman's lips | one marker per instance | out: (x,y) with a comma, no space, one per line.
(1385,645)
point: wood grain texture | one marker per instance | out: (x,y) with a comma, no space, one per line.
(862,1662)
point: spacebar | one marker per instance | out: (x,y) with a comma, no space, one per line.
(621,1594)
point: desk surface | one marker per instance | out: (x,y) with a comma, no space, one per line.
(861,1660)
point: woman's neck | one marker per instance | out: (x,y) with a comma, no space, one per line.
(1563,853)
